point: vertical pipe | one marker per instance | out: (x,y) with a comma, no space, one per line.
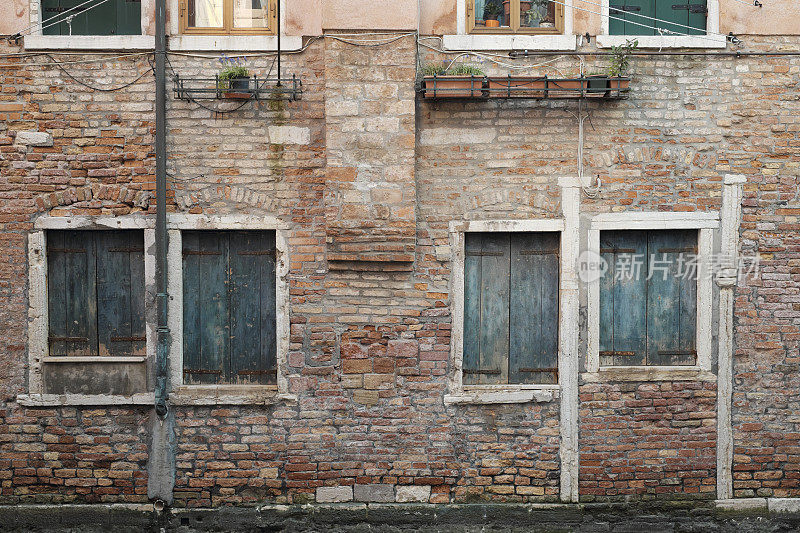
(161,211)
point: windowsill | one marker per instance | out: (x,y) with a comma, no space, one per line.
(56,400)
(667,41)
(509,42)
(234,43)
(648,373)
(94,359)
(89,42)
(229,395)
(501,394)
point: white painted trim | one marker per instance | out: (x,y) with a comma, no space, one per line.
(705,223)
(225,393)
(234,43)
(509,42)
(566,41)
(710,40)
(57,400)
(89,42)
(732,192)
(38,323)
(569,332)
(459,393)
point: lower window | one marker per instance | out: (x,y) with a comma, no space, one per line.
(648,298)
(229,326)
(511,308)
(112,17)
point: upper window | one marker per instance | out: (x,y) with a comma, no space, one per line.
(112,17)
(229,314)
(515,16)
(95,293)
(648,298)
(511,308)
(228,16)
(646,17)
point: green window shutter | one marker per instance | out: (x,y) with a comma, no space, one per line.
(114,17)
(616,19)
(683,13)
(623,298)
(252,285)
(71,293)
(630,17)
(129,15)
(120,293)
(671,298)
(229,332)
(533,353)
(486,309)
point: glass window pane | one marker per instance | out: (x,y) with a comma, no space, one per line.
(537,14)
(492,14)
(205,14)
(250,14)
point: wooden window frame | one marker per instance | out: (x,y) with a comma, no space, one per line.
(228,28)
(514,28)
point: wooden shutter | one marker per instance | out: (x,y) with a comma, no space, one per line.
(631,17)
(129,16)
(229,307)
(623,298)
(683,13)
(486,308)
(114,17)
(671,299)
(533,353)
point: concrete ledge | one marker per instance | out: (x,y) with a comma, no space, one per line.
(509,42)
(234,43)
(496,397)
(229,395)
(742,504)
(56,400)
(645,373)
(89,42)
(783,505)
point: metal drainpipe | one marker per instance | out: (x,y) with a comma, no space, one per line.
(162,348)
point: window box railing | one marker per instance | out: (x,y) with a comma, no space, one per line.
(536,87)
(252,88)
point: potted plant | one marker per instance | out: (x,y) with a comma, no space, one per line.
(619,62)
(460,81)
(535,13)
(234,78)
(491,11)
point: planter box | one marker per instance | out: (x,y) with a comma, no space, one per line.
(569,88)
(519,86)
(621,84)
(453,86)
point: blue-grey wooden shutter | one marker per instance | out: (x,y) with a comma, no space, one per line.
(120,293)
(630,17)
(486,308)
(623,298)
(229,307)
(533,353)
(671,298)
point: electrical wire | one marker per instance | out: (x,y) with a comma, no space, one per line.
(79,62)
(62,14)
(103,89)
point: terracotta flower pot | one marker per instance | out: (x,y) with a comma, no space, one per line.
(507,7)
(492,23)
(453,86)
(619,83)
(519,86)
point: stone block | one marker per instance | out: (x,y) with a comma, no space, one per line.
(334,494)
(34,138)
(413,493)
(381,493)
(289,135)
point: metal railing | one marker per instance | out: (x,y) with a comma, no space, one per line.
(532,87)
(254,87)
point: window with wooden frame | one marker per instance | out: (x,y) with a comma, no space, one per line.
(229,311)
(511,309)
(96,293)
(648,298)
(223,17)
(638,17)
(515,16)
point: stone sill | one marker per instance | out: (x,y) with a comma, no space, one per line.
(773,505)
(229,395)
(233,43)
(649,373)
(489,396)
(667,41)
(509,42)
(90,42)
(57,400)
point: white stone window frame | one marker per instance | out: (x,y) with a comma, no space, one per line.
(38,320)
(705,223)
(224,394)
(472,42)
(711,39)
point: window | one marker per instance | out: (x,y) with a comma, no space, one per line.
(511,292)
(229,312)
(635,17)
(95,292)
(515,16)
(648,298)
(113,17)
(228,16)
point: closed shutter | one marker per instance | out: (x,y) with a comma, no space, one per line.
(679,14)
(95,288)
(229,307)
(629,17)
(648,308)
(129,16)
(511,308)
(113,17)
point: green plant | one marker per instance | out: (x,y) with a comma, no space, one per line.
(492,10)
(457,70)
(233,67)
(619,60)
(234,72)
